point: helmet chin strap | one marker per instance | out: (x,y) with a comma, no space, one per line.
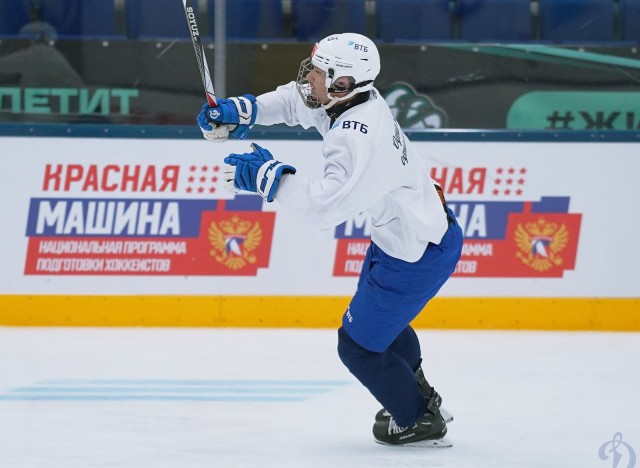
(335,100)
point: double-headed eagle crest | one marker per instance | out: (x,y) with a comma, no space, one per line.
(233,241)
(540,243)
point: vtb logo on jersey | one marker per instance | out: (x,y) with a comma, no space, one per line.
(234,242)
(540,243)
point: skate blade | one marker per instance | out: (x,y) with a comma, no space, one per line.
(448,417)
(431,443)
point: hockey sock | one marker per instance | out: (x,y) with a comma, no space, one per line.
(388,377)
(407,345)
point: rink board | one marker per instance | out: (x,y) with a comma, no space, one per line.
(123,231)
(318,312)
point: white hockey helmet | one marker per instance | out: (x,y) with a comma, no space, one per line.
(340,55)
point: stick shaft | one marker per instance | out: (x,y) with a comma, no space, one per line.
(199,50)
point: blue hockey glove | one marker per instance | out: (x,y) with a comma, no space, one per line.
(237,115)
(258,172)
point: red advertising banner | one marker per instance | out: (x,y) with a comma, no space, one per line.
(195,233)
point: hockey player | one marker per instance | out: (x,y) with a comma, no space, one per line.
(369,166)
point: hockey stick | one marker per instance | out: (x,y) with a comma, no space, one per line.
(197,47)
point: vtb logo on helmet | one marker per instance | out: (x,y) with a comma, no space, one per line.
(361,47)
(347,55)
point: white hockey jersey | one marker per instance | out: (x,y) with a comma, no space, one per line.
(370,167)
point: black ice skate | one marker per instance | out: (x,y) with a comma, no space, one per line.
(428,431)
(428,392)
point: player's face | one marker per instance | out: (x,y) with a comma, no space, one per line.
(316,79)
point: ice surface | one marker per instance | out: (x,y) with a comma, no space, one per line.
(83,397)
